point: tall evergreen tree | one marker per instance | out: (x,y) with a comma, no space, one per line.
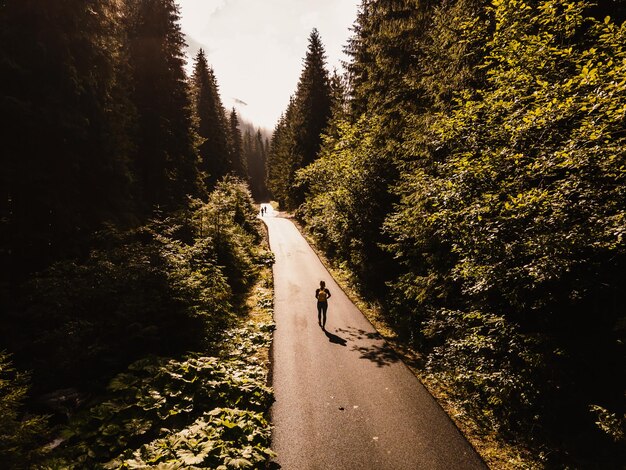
(256,166)
(64,136)
(166,160)
(313,98)
(383,51)
(371,114)
(237,158)
(211,121)
(280,164)
(300,134)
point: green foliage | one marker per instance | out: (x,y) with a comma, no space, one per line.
(222,439)
(297,138)
(165,158)
(20,433)
(547,131)
(204,411)
(101,139)
(493,369)
(121,303)
(481,145)
(229,219)
(384,49)
(153,290)
(610,423)
(512,205)
(66,144)
(212,124)
(348,188)
(156,291)
(237,157)
(350,193)
(255,151)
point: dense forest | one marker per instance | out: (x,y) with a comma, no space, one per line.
(469,171)
(130,247)
(256,145)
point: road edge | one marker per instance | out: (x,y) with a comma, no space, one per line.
(406,356)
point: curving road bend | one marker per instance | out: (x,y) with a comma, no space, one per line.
(343,399)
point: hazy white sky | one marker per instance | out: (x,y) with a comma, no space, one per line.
(256,47)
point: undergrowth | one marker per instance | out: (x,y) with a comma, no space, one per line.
(198,412)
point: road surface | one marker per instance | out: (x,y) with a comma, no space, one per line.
(343,399)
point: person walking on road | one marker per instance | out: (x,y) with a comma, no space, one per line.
(322,295)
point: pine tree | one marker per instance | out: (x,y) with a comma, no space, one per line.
(313,100)
(211,121)
(371,114)
(257,165)
(384,50)
(299,135)
(239,164)
(166,160)
(280,164)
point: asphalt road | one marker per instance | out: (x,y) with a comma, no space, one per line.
(343,399)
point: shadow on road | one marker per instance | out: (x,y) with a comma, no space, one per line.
(376,350)
(381,355)
(335,339)
(355,333)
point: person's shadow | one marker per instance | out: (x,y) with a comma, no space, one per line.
(334,338)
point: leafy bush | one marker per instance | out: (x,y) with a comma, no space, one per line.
(229,219)
(505,124)
(161,289)
(348,198)
(147,294)
(197,411)
(223,438)
(513,207)
(492,367)
(20,434)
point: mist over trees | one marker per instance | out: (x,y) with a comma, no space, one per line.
(471,179)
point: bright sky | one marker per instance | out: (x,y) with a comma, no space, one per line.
(256,47)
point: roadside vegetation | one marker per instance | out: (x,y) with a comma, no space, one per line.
(130,250)
(470,182)
(144,353)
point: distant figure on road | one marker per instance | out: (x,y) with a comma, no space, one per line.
(322,295)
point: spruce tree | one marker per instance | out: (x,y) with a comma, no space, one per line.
(313,100)
(381,95)
(211,122)
(280,164)
(299,134)
(166,160)
(257,165)
(384,50)
(239,164)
